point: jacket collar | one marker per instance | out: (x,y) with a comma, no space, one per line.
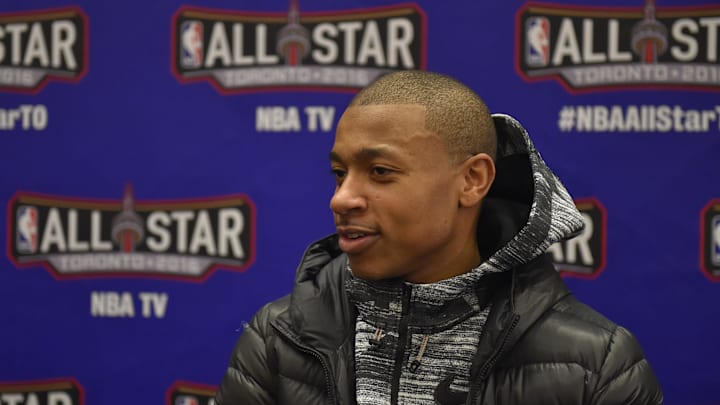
(319,296)
(322,318)
(520,298)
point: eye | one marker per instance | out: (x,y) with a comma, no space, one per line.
(381,171)
(338,173)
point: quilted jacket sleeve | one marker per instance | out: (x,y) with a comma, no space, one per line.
(249,380)
(626,376)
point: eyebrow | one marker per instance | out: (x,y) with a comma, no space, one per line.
(365,154)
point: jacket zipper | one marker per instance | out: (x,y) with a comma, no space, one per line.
(490,363)
(402,342)
(329,385)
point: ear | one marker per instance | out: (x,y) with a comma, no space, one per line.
(478,175)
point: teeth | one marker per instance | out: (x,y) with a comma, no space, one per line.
(355,235)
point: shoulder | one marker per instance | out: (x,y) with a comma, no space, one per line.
(260,324)
(572,332)
(572,353)
(578,342)
(273,309)
(249,377)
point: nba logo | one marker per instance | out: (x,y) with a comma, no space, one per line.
(537,40)
(191,35)
(186,400)
(26,231)
(715,240)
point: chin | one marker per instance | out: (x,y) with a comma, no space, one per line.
(359,271)
(367,273)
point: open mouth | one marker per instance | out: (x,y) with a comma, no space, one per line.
(355,242)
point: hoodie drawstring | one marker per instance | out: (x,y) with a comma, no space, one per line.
(376,340)
(416,363)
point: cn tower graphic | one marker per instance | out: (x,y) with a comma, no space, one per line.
(649,36)
(127,227)
(293,39)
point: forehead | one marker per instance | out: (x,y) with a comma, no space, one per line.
(385,115)
(399,127)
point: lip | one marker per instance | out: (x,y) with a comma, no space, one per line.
(355,245)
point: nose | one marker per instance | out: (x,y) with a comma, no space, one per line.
(348,197)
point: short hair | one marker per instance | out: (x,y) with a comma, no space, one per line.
(453,110)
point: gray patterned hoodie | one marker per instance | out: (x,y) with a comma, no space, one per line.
(414,343)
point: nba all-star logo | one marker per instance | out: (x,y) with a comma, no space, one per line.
(190,393)
(584,255)
(239,51)
(589,48)
(183,239)
(710,240)
(59,391)
(39,46)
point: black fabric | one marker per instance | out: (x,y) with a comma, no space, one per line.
(557,342)
(513,180)
(538,345)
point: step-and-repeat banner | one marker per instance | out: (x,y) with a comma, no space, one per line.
(163,165)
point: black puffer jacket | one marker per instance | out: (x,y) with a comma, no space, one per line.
(539,345)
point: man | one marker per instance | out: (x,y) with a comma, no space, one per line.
(436,288)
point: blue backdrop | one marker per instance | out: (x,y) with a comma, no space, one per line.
(163,166)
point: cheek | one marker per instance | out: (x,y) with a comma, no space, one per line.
(419,206)
(441,198)
(427,216)
(440,211)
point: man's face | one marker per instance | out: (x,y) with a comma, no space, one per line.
(396,200)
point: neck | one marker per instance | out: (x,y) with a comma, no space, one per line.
(458,260)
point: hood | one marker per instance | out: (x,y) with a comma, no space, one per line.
(527,209)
